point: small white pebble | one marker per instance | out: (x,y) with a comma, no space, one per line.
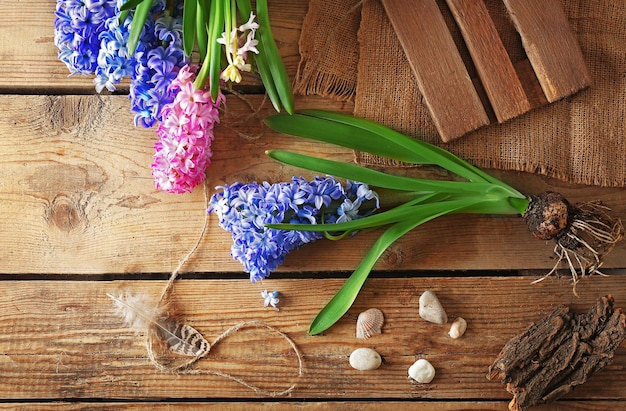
(365,359)
(458,327)
(422,371)
(430,308)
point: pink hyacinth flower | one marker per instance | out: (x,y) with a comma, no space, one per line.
(183,151)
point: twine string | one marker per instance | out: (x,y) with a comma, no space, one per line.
(185,367)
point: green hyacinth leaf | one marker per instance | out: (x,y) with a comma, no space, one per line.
(131,4)
(269,51)
(343,300)
(364,135)
(216,27)
(139,20)
(190,8)
(376,178)
(201,28)
(397,214)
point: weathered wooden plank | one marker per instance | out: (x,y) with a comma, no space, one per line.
(77,196)
(312,405)
(77,182)
(497,74)
(551,46)
(29,56)
(62,340)
(443,80)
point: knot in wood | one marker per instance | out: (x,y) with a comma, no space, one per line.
(78,115)
(65,214)
(394,256)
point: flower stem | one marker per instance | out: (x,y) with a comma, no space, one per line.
(203,74)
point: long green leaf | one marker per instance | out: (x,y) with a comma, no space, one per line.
(364,135)
(139,20)
(336,133)
(131,4)
(377,178)
(267,47)
(395,215)
(245,8)
(361,138)
(216,27)
(425,153)
(122,17)
(342,301)
(268,80)
(189,25)
(202,19)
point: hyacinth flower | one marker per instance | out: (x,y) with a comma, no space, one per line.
(212,27)
(183,150)
(154,64)
(150,41)
(583,234)
(93,38)
(271,299)
(245,210)
(77,27)
(158,60)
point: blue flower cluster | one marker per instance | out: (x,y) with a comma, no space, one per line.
(244,209)
(114,63)
(78,24)
(158,59)
(91,40)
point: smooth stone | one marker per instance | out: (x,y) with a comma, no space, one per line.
(431,309)
(365,359)
(422,371)
(458,327)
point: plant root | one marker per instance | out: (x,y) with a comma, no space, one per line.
(584,234)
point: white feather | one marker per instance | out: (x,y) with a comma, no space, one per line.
(141,312)
(138,311)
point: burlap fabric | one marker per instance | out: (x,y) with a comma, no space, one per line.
(580,139)
(328,59)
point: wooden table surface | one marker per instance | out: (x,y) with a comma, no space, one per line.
(80,218)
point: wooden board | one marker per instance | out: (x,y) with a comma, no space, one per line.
(87,189)
(452,100)
(77,182)
(63,340)
(495,69)
(550,45)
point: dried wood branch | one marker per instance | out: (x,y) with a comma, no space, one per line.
(558,353)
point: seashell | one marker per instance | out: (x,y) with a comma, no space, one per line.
(422,371)
(431,309)
(458,327)
(369,323)
(365,359)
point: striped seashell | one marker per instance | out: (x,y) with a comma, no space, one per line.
(369,322)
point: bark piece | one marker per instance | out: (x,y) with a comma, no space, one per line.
(558,353)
